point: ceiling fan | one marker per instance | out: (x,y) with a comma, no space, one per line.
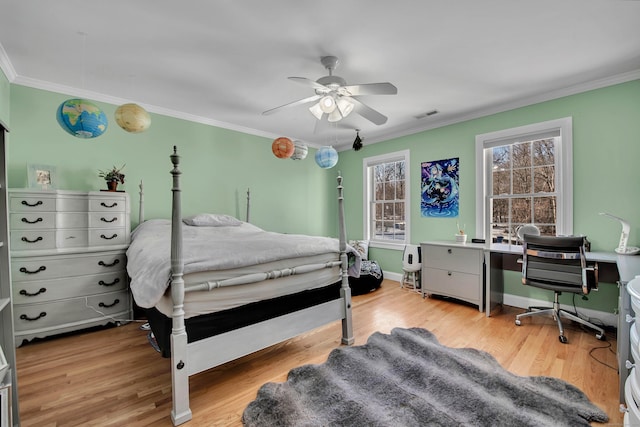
(335,99)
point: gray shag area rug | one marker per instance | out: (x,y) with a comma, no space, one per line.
(407,378)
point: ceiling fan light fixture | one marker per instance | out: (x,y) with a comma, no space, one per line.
(335,116)
(316,111)
(345,106)
(327,104)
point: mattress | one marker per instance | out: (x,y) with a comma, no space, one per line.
(224,298)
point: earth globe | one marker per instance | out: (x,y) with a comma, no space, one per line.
(81,118)
(326,157)
(132,118)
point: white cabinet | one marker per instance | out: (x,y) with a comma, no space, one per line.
(453,270)
(68,263)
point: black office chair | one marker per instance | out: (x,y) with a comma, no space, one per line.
(559,265)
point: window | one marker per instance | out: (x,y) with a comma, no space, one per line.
(386,199)
(525,177)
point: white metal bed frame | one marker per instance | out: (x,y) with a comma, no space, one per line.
(191,358)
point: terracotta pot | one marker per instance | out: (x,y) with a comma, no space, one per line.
(112,185)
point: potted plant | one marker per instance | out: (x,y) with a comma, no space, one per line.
(113,177)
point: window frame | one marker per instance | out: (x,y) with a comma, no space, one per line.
(367,194)
(563,165)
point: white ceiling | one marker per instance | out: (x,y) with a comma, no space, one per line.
(224,62)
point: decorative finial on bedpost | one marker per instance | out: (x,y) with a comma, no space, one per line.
(175,159)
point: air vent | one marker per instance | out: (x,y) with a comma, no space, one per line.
(427,114)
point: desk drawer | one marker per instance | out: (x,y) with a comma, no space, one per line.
(454,258)
(35,316)
(454,284)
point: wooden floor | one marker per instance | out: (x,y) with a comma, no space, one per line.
(113,377)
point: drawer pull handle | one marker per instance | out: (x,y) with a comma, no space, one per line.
(31,222)
(24,270)
(112,205)
(103,305)
(36,240)
(102,263)
(103,283)
(109,238)
(449,273)
(449,251)
(27,294)
(38,203)
(109,220)
(31,319)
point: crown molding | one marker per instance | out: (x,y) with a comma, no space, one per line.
(6,66)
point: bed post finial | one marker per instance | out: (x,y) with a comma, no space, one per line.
(141,204)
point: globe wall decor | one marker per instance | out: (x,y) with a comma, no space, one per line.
(300,151)
(81,118)
(132,118)
(282,147)
(326,157)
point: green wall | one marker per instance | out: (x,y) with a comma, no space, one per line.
(218,166)
(606,148)
(298,197)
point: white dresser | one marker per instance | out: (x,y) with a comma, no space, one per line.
(68,262)
(454,270)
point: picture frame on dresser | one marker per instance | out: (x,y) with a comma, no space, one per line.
(43,177)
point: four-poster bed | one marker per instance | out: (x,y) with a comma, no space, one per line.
(259,300)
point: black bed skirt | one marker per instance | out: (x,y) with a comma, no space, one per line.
(209,325)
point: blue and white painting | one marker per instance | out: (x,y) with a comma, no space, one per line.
(440,192)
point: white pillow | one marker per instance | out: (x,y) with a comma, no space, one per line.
(361,246)
(211,220)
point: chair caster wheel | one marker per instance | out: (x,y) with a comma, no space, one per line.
(563,339)
(518,322)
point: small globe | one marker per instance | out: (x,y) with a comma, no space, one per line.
(132,118)
(81,118)
(326,157)
(300,151)
(282,147)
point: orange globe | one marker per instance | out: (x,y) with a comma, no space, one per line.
(283,147)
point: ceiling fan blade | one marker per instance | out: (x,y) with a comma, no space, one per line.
(293,104)
(368,112)
(385,88)
(308,82)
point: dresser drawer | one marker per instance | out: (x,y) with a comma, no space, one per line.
(53,267)
(32,220)
(32,203)
(108,204)
(28,317)
(55,289)
(25,240)
(463,286)
(454,258)
(107,236)
(107,219)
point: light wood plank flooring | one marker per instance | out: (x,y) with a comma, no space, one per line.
(113,377)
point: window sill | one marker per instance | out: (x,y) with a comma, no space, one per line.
(387,245)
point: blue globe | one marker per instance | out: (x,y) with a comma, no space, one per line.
(82,118)
(326,157)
